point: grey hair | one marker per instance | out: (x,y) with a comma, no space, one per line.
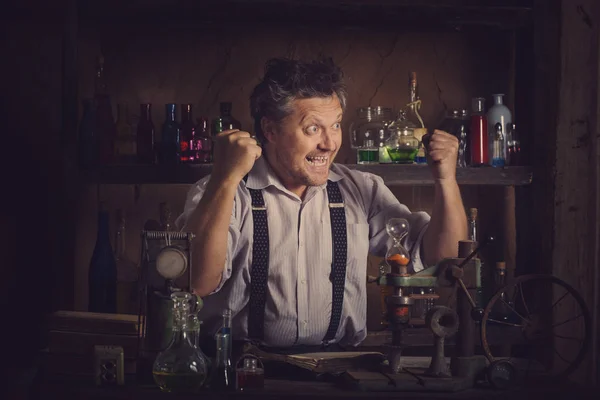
(286,80)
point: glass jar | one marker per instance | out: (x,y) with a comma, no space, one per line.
(368,132)
(181,368)
(402,146)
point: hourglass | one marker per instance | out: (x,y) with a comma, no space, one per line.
(397,257)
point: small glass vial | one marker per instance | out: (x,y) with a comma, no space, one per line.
(250,376)
(498,158)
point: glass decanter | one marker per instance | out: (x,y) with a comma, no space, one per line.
(402,145)
(181,368)
(397,257)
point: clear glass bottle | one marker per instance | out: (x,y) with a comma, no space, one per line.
(367,132)
(412,120)
(402,146)
(513,145)
(223,374)
(397,257)
(463,137)
(181,368)
(498,158)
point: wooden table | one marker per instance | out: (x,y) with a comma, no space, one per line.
(51,388)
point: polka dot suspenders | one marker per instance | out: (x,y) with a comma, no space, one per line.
(260,262)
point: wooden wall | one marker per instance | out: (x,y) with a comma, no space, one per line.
(198,66)
(577,180)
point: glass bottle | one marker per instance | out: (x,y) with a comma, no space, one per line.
(125,144)
(402,147)
(145,136)
(188,134)
(513,144)
(479,133)
(472,235)
(498,159)
(501,309)
(367,132)
(170,147)
(223,375)
(397,257)
(413,120)
(463,137)
(88,137)
(127,271)
(102,275)
(384,292)
(202,142)
(180,368)
(498,113)
(225,120)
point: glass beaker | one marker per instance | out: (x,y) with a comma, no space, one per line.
(397,257)
(251,375)
(181,368)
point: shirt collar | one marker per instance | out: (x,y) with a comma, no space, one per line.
(262,175)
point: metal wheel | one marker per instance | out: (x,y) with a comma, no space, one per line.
(545,321)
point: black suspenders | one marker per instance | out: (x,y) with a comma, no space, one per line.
(260,262)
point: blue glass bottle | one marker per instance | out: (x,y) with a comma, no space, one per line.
(102,276)
(170,145)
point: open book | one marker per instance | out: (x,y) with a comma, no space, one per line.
(324,362)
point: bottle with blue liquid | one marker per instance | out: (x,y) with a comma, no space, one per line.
(498,147)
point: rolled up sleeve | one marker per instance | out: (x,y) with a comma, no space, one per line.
(382,206)
(193,198)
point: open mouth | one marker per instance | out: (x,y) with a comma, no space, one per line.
(317,161)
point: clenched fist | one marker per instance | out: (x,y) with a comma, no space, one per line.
(442,153)
(235,152)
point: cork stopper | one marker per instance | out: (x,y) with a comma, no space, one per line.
(501,266)
(466,247)
(472,214)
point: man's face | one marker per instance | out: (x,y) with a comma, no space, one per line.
(302,147)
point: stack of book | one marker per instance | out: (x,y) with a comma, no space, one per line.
(73,336)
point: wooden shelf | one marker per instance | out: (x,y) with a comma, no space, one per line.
(391,174)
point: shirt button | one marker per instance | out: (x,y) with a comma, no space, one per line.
(305,322)
(303,281)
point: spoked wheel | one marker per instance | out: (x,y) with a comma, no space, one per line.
(544,319)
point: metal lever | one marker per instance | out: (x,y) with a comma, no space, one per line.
(476,312)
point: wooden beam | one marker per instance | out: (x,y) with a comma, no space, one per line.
(576,184)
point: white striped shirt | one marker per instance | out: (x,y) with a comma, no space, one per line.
(299,300)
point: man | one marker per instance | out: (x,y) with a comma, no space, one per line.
(283,233)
